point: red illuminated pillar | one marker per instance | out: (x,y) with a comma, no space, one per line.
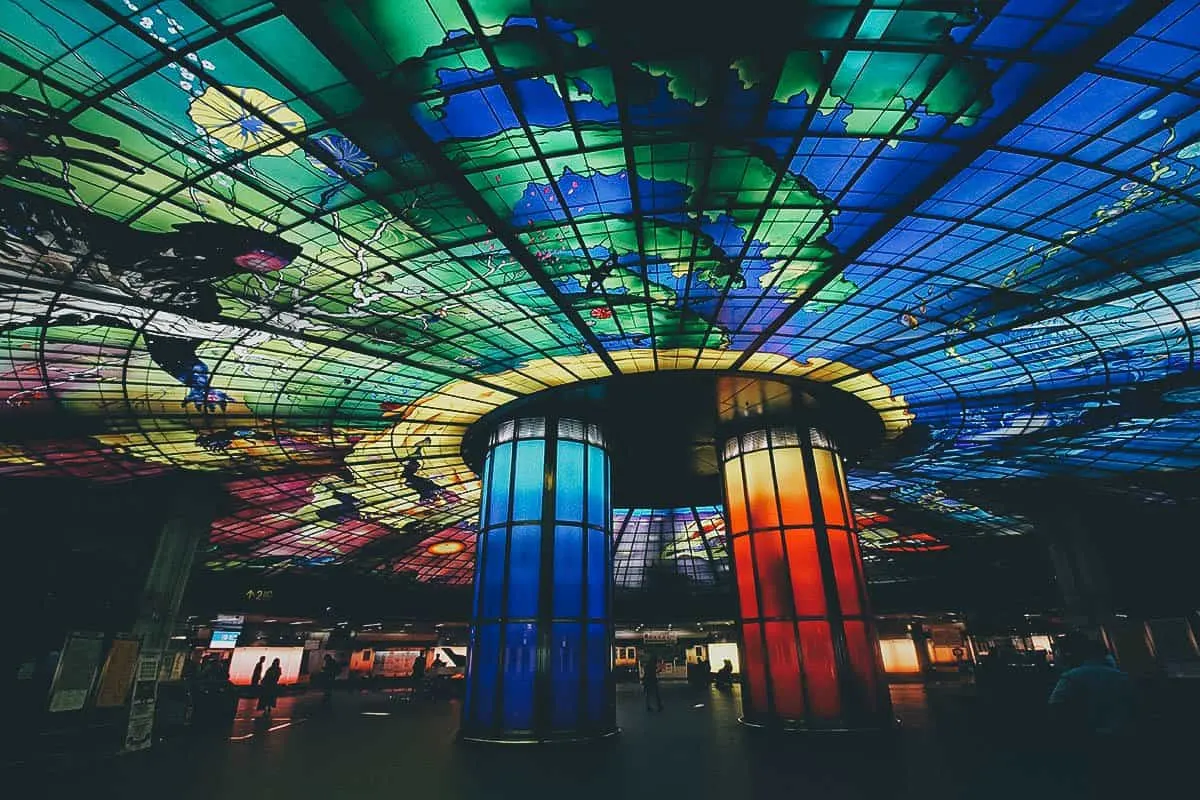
(810,652)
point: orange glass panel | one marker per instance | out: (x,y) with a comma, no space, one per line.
(808,590)
(754,667)
(743,568)
(735,498)
(773,582)
(843,572)
(820,670)
(760,485)
(793,487)
(862,661)
(785,669)
(829,480)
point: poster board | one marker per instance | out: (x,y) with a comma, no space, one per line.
(140,732)
(76,671)
(116,677)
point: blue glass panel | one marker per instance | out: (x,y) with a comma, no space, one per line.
(598,573)
(566,670)
(501,461)
(492,591)
(599,660)
(525,553)
(568,571)
(529,480)
(520,664)
(479,547)
(568,486)
(597,505)
(486,492)
(485,657)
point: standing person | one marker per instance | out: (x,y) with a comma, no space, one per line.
(418,676)
(329,672)
(650,681)
(268,690)
(725,675)
(704,672)
(437,671)
(1096,697)
(256,675)
(1093,708)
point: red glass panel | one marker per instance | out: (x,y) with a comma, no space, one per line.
(793,488)
(820,670)
(808,590)
(773,583)
(862,661)
(785,669)
(843,572)
(829,480)
(735,500)
(743,568)
(753,667)
(760,485)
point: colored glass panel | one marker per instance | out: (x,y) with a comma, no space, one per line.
(845,576)
(772,574)
(598,577)
(569,488)
(485,660)
(827,478)
(500,462)
(820,670)
(754,666)
(785,669)
(566,669)
(808,586)
(597,488)
(520,669)
(747,582)
(568,571)
(491,577)
(861,650)
(524,567)
(735,498)
(793,487)
(760,490)
(529,480)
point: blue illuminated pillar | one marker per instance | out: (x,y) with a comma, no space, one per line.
(539,667)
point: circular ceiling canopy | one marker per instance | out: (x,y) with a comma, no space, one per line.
(306,245)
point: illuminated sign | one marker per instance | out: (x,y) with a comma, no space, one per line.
(224,640)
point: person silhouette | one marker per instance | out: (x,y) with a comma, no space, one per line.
(268,691)
(650,682)
(256,675)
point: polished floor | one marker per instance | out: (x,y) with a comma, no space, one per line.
(953,744)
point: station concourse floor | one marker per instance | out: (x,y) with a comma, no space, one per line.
(370,746)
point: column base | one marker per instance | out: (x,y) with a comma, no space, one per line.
(884,727)
(572,737)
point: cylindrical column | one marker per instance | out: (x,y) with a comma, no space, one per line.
(540,660)
(810,651)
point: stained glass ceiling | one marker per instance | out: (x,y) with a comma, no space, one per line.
(302,245)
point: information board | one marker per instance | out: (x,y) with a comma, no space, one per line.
(76,671)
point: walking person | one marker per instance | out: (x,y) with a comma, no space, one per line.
(418,676)
(650,682)
(256,675)
(329,672)
(268,690)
